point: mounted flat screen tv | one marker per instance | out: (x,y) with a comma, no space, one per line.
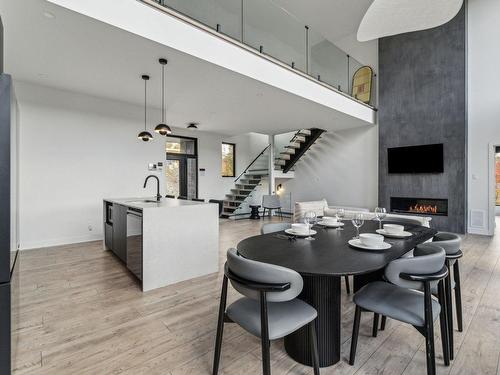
(416,159)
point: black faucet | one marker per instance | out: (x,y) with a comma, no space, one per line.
(158,195)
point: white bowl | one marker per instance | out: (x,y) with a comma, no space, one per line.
(329,219)
(394,228)
(300,228)
(371,239)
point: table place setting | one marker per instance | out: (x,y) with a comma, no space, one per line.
(330,222)
(369,241)
(301,230)
(394,231)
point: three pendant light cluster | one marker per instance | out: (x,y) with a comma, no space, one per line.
(161,128)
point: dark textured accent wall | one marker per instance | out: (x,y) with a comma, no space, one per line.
(422,100)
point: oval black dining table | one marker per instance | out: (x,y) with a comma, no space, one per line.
(322,263)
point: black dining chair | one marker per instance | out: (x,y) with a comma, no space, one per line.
(400,298)
(184,198)
(452,244)
(198,200)
(170,196)
(269,310)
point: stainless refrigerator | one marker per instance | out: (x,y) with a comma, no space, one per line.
(8,216)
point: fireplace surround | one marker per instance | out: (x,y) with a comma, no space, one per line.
(419,206)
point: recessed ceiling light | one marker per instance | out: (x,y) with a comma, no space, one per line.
(49,15)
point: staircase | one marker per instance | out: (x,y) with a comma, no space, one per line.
(299,144)
(245,184)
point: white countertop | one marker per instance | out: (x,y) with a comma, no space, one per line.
(141,203)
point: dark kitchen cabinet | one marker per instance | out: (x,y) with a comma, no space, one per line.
(119,237)
(108,236)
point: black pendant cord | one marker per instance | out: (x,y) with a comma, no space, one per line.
(163,94)
(145,106)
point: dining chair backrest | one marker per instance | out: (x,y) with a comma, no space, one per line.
(274,227)
(450,242)
(170,196)
(182,197)
(402,220)
(427,259)
(197,200)
(259,272)
(271,201)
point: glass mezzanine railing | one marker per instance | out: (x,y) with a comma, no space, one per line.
(270,30)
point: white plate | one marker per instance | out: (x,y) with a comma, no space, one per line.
(331,225)
(358,244)
(403,234)
(300,234)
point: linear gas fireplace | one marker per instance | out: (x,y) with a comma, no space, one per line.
(420,206)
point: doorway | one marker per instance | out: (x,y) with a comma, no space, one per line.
(181,167)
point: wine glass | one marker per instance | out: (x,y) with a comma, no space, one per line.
(309,219)
(380,214)
(358,221)
(340,214)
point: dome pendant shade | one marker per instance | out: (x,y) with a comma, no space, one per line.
(163,129)
(145,136)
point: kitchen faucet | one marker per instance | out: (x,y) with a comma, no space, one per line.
(158,195)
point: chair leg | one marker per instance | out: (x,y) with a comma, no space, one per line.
(443,323)
(429,331)
(375,324)
(458,296)
(264,334)
(384,321)
(347,286)
(264,213)
(449,311)
(314,347)
(355,333)
(220,326)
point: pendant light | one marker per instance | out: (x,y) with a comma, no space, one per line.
(163,128)
(145,135)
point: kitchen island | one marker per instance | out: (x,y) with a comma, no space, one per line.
(163,242)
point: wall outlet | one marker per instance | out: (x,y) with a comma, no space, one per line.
(90,228)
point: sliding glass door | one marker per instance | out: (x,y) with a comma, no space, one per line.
(181,167)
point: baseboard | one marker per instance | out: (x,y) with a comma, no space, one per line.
(479,231)
(59,242)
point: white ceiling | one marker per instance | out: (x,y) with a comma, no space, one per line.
(384,19)
(334,19)
(77,53)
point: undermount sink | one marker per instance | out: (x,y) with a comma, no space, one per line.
(143,201)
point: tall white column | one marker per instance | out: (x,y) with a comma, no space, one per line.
(271,164)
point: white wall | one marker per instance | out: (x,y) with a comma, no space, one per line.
(483,105)
(76,150)
(341,167)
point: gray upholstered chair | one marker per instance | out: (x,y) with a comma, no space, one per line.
(271,202)
(269,310)
(170,196)
(274,227)
(400,298)
(452,243)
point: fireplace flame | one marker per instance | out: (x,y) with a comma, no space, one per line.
(424,209)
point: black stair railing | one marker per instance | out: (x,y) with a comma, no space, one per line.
(252,163)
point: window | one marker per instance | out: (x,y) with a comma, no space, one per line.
(228,160)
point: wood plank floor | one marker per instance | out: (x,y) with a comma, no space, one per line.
(81,312)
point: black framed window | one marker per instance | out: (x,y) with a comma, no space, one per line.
(228,168)
(181,167)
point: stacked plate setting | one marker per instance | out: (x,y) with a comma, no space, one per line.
(301,230)
(370,241)
(330,222)
(394,231)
